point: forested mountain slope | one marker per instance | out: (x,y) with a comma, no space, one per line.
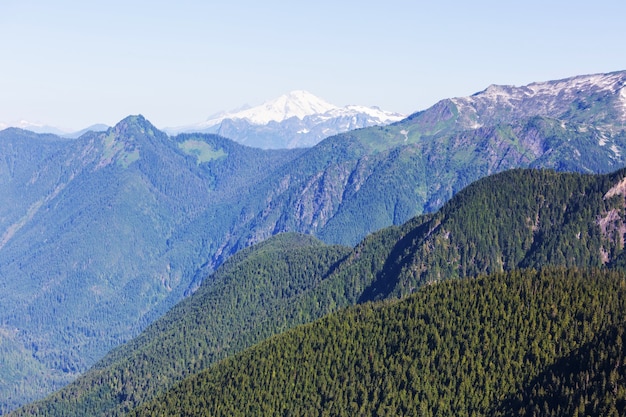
(591,381)
(242,306)
(101,235)
(366,179)
(519,218)
(455,348)
(516,219)
(91,247)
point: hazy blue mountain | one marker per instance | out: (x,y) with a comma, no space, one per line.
(517,219)
(45,129)
(96,238)
(294,120)
(100,127)
(32,127)
(102,234)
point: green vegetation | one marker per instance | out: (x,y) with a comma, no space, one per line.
(101,235)
(123,152)
(591,381)
(202,150)
(456,348)
(96,244)
(244,302)
(517,219)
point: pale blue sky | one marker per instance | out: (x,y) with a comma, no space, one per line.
(75,63)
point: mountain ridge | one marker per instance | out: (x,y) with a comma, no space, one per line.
(550,98)
(456,348)
(46,129)
(296,103)
(295,119)
(115,227)
(505,222)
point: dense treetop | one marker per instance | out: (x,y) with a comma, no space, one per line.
(457,348)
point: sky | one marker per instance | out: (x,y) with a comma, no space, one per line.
(72,64)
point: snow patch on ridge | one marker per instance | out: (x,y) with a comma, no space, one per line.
(622,101)
(616,150)
(464,106)
(498,103)
(571,85)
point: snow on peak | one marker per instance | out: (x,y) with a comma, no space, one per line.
(572,85)
(307,108)
(298,103)
(376,113)
(32,126)
(622,101)
(549,98)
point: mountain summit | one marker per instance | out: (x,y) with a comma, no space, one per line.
(594,98)
(293,120)
(298,103)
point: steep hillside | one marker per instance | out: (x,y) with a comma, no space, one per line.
(453,349)
(245,303)
(23,155)
(521,218)
(591,381)
(101,235)
(517,219)
(90,248)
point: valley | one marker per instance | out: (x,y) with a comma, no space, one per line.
(102,235)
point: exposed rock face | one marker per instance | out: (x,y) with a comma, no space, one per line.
(618,189)
(553,99)
(613,222)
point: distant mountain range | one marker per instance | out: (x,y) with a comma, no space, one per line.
(293,120)
(100,235)
(41,128)
(517,219)
(33,127)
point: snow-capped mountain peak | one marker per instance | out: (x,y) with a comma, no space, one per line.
(295,119)
(298,103)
